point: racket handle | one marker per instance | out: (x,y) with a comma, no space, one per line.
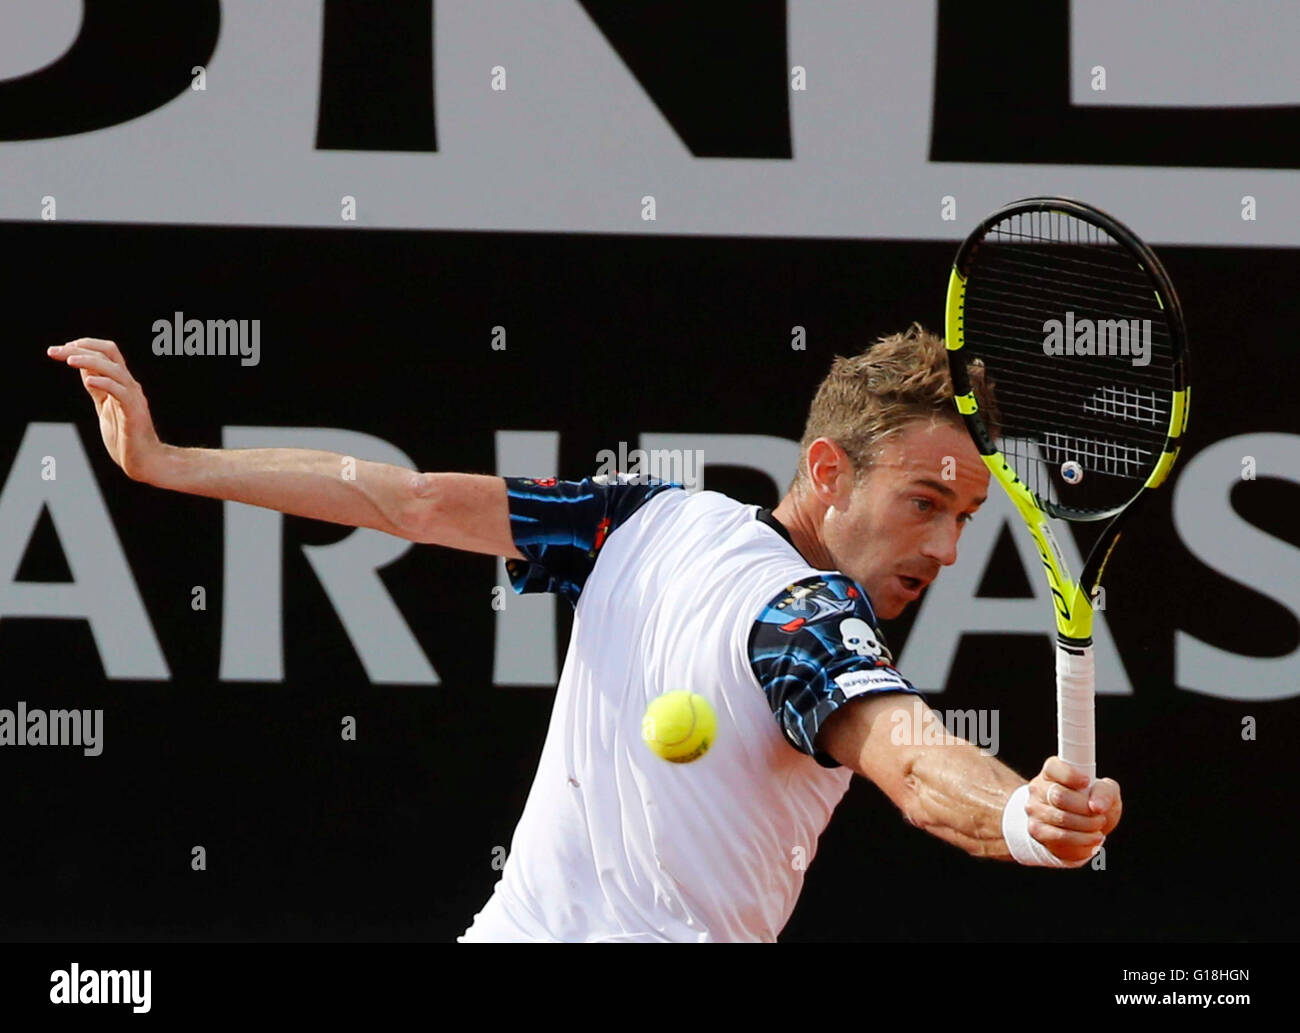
(1076,684)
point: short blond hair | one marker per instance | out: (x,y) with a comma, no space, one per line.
(867,398)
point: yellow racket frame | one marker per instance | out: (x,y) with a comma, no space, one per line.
(1073,599)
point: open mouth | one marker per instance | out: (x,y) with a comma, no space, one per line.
(913,585)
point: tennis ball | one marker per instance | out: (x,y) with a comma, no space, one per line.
(679,726)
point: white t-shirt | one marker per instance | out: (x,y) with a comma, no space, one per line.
(674,590)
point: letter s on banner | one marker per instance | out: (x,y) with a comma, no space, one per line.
(1212,529)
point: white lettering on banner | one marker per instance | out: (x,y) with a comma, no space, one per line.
(1170,53)
(860,138)
(103,592)
(1218,536)
(252,611)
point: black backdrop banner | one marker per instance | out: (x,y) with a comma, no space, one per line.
(399,834)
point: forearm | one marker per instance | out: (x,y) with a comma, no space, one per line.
(946,786)
(958,794)
(939,781)
(302,482)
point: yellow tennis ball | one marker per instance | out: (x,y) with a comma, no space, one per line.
(679,726)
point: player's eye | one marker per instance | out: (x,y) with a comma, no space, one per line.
(924,505)
(966,518)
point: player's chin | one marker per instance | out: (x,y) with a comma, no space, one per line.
(897,596)
(889,606)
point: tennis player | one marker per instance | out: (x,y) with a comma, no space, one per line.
(770,615)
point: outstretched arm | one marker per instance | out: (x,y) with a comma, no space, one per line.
(462,511)
(946,786)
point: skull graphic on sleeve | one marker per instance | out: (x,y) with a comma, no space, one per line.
(858,636)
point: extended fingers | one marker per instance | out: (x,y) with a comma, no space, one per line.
(99,363)
(108,348)
(109,386)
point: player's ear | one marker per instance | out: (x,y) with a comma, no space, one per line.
(831,472)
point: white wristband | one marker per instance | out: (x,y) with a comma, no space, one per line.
(1024,847)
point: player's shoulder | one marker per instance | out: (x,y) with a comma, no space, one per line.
(560,526)
(750,563)
(706,521)
(824,608)
(814,646)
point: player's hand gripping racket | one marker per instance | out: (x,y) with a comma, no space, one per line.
(1082,335)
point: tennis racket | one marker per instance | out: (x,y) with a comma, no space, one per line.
(1081,333)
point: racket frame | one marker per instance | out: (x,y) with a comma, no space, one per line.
(1072,599)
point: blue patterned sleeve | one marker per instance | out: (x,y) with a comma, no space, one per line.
(561,526)
(814,647)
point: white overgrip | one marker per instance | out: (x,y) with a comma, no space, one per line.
(1076,733)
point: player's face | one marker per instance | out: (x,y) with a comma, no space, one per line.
(894,526)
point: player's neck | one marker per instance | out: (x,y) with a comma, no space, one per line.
(805,531)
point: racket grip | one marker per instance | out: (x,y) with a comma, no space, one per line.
(1076,683)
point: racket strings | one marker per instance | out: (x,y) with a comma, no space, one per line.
(1129,403)
(1061,314)
(1031,375)
(1096,454)
(1138,303)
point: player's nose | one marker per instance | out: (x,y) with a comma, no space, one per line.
(942,546)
